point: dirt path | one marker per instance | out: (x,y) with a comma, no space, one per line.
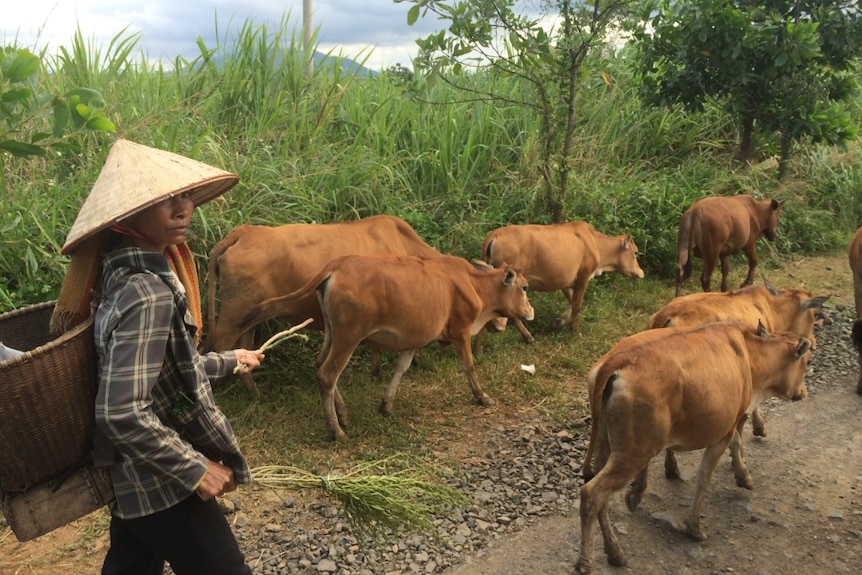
(803,516)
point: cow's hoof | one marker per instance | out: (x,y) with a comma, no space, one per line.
(695,532)
(745,482)
(384,408)
(616,558)
(487,401)
(759,431)
(859,387)
(633,499)
(583,566)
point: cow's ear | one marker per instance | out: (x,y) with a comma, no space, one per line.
(481,264)
(761,329)
(803,346)
(509,277)
(776,204)
(815,302)
(626,241)
(770,287)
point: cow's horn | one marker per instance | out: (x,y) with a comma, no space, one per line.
(770,286)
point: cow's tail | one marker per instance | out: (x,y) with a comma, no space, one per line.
(278,306)
(212,279)
(684,246)
(600,386)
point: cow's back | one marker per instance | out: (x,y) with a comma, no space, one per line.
(405,302)
(676,379)
(549,256)
(722,220)
(268,261)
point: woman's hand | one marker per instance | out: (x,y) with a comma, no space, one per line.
(247,360)
(217,481)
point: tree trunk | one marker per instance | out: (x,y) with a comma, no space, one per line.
(785,152)
(745,145)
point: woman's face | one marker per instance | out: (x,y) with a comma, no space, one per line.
(165,223)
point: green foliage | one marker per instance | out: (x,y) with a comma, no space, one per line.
(333,147)
(776,67)
(493,36)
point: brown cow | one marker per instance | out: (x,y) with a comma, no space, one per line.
(401,303)
(716,228)
(681,388)
(254,263)
(788,309)
(560,257)
(855,254)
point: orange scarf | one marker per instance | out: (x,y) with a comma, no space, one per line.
(78,297)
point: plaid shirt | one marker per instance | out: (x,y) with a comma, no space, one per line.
(155,403)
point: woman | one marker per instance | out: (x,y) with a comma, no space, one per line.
(172,450)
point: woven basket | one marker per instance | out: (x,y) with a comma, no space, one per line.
(47,398)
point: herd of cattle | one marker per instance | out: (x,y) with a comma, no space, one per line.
(689,381)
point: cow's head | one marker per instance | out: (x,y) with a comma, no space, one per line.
(770,228)
(792,359)
(797,310)
(514,302)
(627,260)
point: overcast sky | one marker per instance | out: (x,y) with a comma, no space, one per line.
(169,28)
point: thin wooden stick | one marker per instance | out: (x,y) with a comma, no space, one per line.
(242,368)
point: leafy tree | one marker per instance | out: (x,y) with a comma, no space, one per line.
(781,66)
(32,121)
(489,35)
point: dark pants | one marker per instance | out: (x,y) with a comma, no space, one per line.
(193,536)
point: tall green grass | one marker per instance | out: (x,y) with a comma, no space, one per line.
(337,146)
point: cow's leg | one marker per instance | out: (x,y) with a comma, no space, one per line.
(737,458)
(566,318)
(477,342)
(758,425)
(636,489)
(405,358)
(671,468)
(327,374)
(750,252)
(576,301)
(525,333)
(594,505)
(246,341)
(462,344)
(376,365)
(711,456)
(709,260)
(725,270)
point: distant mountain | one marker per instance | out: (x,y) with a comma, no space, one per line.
(347,64)
(320,60)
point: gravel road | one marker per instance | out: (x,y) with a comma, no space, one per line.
(805,513)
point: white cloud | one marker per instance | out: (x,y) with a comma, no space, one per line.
(169,28)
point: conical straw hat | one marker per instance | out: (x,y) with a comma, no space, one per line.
(135,177)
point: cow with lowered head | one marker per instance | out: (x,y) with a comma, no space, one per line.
(686,388)
(561,257)
(787,309)
(856,267)
(401,303)
(254,263)
(716,228)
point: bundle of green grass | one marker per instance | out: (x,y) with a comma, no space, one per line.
(388,496)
